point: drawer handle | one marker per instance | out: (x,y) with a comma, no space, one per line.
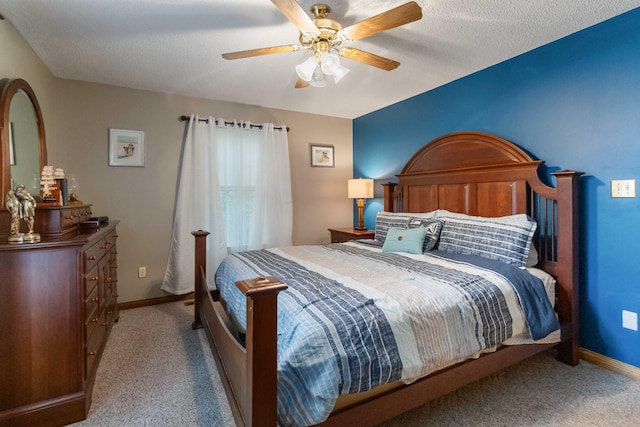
(68,217)
(92,258)
(105,323)
(94,278)
(91,353)
(96,299)
(94,320)
(110,312)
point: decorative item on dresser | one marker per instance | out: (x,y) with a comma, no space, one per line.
(339,235)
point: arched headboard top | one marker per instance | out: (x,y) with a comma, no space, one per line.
(463,150)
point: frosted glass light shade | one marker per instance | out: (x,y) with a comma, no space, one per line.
(317,79)
(305,70)
(330,63)
(360,188)
(339,73)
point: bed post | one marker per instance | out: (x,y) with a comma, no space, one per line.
(389,198)
(199,274)
(261,396)
(568,268)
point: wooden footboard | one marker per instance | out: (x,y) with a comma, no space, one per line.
(247,373)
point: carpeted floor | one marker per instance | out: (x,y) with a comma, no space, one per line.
(157,371)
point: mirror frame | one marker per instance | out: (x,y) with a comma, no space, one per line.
(9,88)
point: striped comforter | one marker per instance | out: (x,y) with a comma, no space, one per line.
(354,318)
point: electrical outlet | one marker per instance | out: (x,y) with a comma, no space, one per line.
(142,272)
(623,188)
(630,320)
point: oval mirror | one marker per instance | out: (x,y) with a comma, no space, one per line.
(23,151)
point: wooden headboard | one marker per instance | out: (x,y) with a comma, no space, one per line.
(482,174)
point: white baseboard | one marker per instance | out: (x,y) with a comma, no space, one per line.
(610,364)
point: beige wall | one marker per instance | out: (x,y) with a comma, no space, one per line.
(78,116)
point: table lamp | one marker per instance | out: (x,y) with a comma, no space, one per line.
(360,189)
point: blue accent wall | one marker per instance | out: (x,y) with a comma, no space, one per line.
(574,103)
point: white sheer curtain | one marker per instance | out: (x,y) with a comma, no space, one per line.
(235,183)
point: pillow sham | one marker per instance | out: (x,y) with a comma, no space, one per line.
(386,220)
(433,227)
(506,239)
(409,240)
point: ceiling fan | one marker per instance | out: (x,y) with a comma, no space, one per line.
(324,36)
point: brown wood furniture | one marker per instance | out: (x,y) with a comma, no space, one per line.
(339,235)
(469,172)
(58,302)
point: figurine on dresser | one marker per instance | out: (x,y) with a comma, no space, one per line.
(22,205)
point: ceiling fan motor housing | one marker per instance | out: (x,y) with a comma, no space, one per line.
(326,39)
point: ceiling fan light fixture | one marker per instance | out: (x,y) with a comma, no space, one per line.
(306,69)
(330,63)
(317,79)
(339,73)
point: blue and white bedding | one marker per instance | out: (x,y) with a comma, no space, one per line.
(354,318)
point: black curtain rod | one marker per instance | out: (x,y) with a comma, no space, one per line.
(184,118)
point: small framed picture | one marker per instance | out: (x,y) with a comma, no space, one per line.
(126,147)
(322,156)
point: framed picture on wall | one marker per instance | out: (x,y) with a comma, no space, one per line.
(322,156)
(126,147)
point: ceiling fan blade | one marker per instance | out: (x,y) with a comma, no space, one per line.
(261,51)
(292,10)
(368,58)
(301,83)
(392,18)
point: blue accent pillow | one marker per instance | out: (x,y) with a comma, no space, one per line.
(409,240)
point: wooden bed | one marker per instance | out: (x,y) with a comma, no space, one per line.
(467,172)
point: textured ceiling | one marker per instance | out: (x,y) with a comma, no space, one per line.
(175,46)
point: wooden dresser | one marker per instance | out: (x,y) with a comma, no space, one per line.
(58,302)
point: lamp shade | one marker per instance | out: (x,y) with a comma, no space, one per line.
(339,73)
(330,63)
(306,69)
(360,188)
(317,79)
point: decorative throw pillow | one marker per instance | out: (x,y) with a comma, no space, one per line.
(433,227)
(409,240)
(506,239)
(386,220)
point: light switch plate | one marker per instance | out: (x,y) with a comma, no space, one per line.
(623,188)
(630,320)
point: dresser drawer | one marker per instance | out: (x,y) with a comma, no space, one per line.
(92,313)
(91,280)
(95,340)
(58,221)
(94,253)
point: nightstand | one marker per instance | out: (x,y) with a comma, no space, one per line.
(339,235)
